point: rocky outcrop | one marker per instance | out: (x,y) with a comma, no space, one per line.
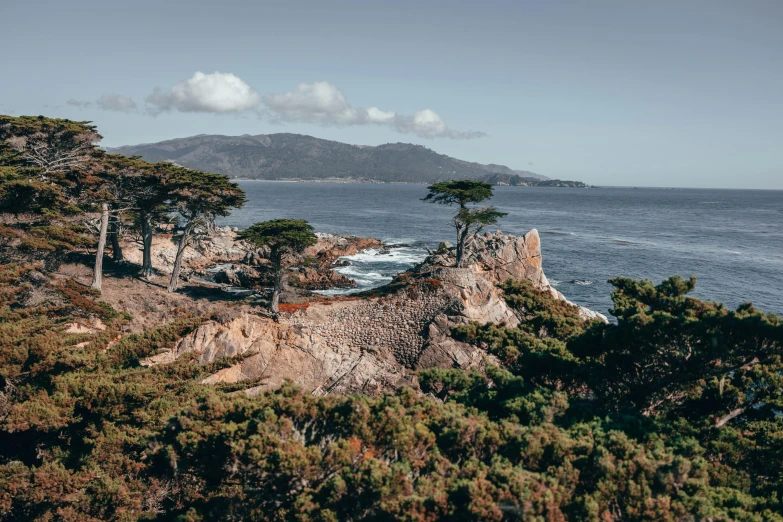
(331,246)
(315,270)
(502,257)
(240,275)
(370,344)
(315,278)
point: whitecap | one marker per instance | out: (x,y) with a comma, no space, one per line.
(582,282)
(374,267)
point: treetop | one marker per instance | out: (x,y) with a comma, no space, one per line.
(460,192)
(280,234)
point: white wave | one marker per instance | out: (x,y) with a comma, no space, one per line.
(409,256)
(391,241)
(554,282)
(373,267)
(582,282)
(358,275)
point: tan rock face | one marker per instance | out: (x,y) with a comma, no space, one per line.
(370,344)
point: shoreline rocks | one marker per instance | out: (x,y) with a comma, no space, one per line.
(371,343)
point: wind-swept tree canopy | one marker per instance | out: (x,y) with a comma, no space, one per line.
(672,352)
(51,181)
(52,145)
(281,236)
(469,220)
(460,192)
(143,190)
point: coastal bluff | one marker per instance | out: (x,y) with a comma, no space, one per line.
(374,342)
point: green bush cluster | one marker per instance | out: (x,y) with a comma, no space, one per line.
(88,434)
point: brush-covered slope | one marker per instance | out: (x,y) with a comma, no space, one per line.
(295,156)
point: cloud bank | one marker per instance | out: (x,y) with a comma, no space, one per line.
(319,103)
(323,103)
(217,93)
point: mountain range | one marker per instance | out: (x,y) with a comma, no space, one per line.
(296,156)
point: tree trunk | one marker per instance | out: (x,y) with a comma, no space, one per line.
(183,244)
(274,306)
(462,239)
(115,239)
(97,275)
(721,421)
(146,239)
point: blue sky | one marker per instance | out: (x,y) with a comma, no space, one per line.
(668,93)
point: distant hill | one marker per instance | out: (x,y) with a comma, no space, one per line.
(295,156)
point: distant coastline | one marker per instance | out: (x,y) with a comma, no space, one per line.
(531,183)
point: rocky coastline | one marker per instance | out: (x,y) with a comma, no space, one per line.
(367,343)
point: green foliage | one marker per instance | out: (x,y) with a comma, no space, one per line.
(88,434)
(280,235)
(459,192)
(21,191)
(479,217)
(199,195)
(670,352)
(468,221)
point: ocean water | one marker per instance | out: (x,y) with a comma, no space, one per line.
(731,240)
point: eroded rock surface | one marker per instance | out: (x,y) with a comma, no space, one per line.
(370,344)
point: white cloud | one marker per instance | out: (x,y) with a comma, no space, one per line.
(115,102)
(375,115)
(217,93)
(319,102)
(428,124)
(323,103)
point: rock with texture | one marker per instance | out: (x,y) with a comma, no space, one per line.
(370,344)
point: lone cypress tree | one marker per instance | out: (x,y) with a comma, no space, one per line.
(282,236)
(469,220)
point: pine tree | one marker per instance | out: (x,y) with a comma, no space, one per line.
(468,221)
(198,197)
(282,236)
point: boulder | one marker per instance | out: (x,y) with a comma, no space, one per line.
(311,278)
(236,276)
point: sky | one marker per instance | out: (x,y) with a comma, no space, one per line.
(684,93)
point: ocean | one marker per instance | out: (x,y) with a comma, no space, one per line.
(731,240)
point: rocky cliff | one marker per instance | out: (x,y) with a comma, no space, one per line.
(372,343)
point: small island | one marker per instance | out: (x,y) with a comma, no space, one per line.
(515,180)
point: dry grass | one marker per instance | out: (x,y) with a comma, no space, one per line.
(150,304)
